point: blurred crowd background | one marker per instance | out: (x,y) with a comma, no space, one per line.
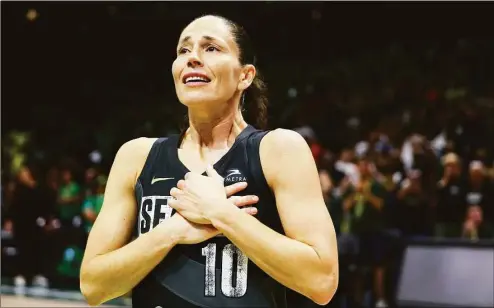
(395,100)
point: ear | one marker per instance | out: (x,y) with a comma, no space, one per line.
(246,76)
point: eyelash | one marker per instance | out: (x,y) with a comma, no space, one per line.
(184,50)
(211,46)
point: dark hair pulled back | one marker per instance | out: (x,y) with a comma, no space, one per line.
(254,99)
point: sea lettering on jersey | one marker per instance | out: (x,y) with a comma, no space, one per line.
(153,210)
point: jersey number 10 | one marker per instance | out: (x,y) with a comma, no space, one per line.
(228,288)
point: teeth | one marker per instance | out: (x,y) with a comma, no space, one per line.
(195,78)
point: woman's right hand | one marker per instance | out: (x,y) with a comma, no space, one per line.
(192,233)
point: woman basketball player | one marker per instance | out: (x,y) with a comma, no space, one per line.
(194,246)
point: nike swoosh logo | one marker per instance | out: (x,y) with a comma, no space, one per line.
(154,180)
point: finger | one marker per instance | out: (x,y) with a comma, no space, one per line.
(181,184)
(244,200)
(235,188)
(212,173)
(250,210)
(173,203)
(175,192)
(187,175)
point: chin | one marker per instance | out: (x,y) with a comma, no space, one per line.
(195,99)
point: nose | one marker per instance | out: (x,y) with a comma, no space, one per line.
(194,60)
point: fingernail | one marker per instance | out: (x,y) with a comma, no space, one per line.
(255,198)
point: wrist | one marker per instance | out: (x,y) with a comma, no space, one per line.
(222,213)
(170,232)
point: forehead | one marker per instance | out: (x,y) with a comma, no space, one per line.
(208,26)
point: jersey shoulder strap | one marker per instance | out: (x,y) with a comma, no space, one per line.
(152,158)
(254,157)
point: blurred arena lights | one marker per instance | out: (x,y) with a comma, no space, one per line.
(32,15)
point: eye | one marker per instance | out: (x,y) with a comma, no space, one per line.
(182,50)
(211,48)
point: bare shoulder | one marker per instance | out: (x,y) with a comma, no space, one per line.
(138,147)
(283,150)
(283,140)
(132,155)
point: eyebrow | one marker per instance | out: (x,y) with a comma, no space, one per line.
(205,37)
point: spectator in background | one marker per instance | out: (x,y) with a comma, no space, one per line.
(479,190)
(310,137)
(69,200)
(29,211)
(50,189)
(326,185)
(366,203)
(413,203)
(451,207)
(417,154)
(69,262)
(346,166)
(93,202)
(71,237)
(70,226)
(53,184)
(89,180)
(8,188)
(490,172)
(388,164)
(474,227)
(9,251)
(367,148)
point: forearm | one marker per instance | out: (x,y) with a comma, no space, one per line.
(113,274)
(279,256)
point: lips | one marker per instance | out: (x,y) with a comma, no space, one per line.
(195,78)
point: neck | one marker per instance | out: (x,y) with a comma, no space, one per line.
(215,128)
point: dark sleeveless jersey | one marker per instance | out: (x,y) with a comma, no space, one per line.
(214,273)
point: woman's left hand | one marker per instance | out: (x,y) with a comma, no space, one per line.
(197,198)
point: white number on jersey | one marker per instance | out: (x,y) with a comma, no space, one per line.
(228,288)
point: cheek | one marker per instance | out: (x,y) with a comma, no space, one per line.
(177,67)
(226,76)
(230,81)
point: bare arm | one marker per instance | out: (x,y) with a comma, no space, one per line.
(111,268)
(310,241)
